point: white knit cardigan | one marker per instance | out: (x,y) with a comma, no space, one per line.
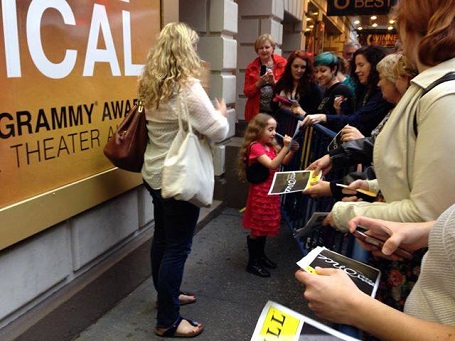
(162,125)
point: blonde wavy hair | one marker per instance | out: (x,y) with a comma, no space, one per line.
(387,66)
(170,63)
(254,132)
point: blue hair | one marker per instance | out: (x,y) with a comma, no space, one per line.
(326,59)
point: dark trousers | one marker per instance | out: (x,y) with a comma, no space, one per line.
(175,222)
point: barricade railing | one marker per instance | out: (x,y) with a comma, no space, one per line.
(297,208)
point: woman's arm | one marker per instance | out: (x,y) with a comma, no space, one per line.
(205,118)
(251,88)
(410,236)
(365,118)
(431,178)
(334,296)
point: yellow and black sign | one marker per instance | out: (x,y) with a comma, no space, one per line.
(68,74)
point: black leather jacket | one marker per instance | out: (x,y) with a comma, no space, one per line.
(353,152)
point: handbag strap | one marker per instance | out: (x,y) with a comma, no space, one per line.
(185,109)
(247,161)
(447,77)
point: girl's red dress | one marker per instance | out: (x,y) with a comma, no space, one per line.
(262,215)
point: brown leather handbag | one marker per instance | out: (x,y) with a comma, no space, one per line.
(126,148)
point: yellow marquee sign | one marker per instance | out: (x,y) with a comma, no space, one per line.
(68,73)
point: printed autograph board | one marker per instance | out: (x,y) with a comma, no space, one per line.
(292,181)
(279,323)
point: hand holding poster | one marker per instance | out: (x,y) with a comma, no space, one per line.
(278,322)
(292,181)
(363,275)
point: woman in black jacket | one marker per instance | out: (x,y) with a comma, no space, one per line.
(371,107)
(395,79)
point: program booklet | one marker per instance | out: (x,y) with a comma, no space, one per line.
(336,142)
(292,181)
(312,225)
(280,323)
(363,275)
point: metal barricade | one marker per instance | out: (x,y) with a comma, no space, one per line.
(297,208)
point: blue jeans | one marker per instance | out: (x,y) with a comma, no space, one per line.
(175,222)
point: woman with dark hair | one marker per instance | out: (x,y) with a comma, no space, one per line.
(298,87)
(370,106)
(413,154)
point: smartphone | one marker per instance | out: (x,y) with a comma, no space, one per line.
(263,70)
(380,243)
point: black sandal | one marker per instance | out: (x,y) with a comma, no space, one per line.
(172,330)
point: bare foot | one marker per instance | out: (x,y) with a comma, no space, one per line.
(185,328)
(186,298)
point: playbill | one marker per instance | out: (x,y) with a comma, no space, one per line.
(279,323)
(363,275)
(292,181)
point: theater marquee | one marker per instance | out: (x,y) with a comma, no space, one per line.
(68,74)
(358,7)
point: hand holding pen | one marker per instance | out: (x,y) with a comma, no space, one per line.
(294,145)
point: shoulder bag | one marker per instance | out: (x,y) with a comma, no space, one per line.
(126,148)
(188,173)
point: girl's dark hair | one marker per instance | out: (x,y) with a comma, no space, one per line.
(286,81)
(373,54)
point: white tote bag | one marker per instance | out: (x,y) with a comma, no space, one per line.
(188,167)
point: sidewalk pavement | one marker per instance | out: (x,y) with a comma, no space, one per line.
(229,301)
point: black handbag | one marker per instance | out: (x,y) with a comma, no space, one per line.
(256,173)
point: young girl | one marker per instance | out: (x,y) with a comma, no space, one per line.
(262,215)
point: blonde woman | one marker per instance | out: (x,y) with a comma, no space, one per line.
(170,78)
(261,76)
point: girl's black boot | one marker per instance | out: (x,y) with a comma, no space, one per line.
(263,259)
(254,267)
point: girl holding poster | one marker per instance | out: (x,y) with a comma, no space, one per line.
(262,215)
